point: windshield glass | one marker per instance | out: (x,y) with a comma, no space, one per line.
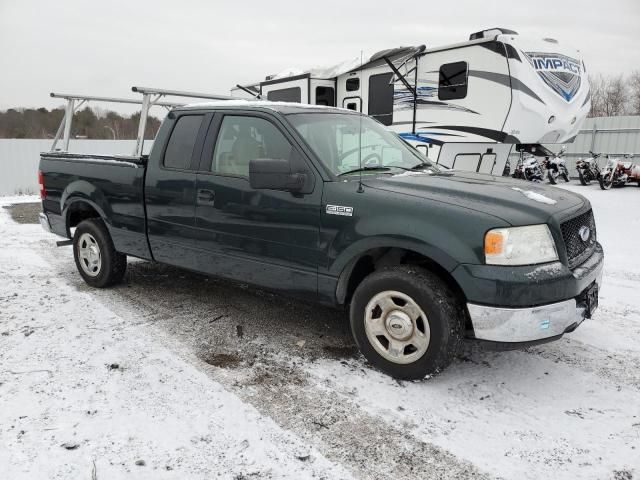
(339,140)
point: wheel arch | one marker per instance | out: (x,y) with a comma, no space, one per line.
(82,200)
(371,259)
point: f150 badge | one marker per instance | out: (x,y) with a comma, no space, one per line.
(339,210)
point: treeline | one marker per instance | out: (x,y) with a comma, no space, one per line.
(613,95)
(87,123)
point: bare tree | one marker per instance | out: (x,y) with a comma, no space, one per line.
(634,93)
(608,96)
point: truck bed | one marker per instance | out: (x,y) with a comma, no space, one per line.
(113,185)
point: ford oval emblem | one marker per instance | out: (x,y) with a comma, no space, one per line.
(584,233)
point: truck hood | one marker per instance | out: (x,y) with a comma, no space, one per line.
(515,201)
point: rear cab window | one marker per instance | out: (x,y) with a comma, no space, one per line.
(180,146)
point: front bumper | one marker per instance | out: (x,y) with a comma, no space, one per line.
(538,323)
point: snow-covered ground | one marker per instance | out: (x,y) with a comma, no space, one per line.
(198,378)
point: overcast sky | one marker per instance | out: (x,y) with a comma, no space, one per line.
(103,48)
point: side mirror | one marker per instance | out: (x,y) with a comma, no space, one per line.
(275,174)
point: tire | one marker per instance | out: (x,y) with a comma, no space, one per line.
(96,258)
(552,179)
(604,185)
(565,177)
(583,180)
(436,326)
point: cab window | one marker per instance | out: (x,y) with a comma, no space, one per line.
(242,139)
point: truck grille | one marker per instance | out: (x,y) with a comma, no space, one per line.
(579,250)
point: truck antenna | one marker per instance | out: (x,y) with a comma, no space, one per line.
(360,189)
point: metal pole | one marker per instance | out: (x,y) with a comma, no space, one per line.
(593,137)
(58,133)
(68,117)
(146,100)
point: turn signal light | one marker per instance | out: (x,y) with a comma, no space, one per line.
(493,243)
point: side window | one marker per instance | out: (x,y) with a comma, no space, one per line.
(352,106)
(242,139)
(353,84)
(381,98)
(183,139)
(466,161)
(285,95)
(452,83)
(325,96)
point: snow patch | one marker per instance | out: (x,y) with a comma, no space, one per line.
(536,197)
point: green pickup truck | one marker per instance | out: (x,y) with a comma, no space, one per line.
(327,205)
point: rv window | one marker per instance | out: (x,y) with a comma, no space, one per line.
(353,84)
(453,81)
(325,96)
(242,139)
(488,161)
(466,161)
(381,98)
(352,106)
(293,94)
(183,138)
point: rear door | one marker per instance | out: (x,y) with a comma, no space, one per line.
(264,237)
(170,188)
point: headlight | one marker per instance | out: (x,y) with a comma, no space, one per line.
(519,246)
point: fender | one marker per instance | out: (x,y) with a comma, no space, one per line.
(83,191)
(343,265)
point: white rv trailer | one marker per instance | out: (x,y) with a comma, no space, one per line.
(466,104)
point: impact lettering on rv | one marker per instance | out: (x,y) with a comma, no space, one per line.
(556,63)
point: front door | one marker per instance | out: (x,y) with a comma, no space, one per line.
(264,237)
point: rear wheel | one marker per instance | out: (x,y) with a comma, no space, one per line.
(565,176)
(583,179)
(96,258)
(552,177)
(407,322)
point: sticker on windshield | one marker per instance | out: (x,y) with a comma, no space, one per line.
(339,210)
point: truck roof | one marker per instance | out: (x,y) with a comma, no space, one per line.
(280,107)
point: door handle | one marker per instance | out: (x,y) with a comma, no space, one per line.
(206,197)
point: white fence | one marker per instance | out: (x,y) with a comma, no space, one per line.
(19,159)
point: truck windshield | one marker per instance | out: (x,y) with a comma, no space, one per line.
(348,143)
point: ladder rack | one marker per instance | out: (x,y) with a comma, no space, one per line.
(150,97)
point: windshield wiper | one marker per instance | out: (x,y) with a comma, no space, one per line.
(364,169)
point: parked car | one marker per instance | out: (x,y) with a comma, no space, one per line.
(327,205)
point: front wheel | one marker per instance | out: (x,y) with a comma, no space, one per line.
(407,322)
(99,264)
(583,178)
(605,182)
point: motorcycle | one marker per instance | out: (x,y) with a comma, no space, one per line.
(588,168)
(556,167)
(527,168)
(617,173)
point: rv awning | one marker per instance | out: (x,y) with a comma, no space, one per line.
(352,64)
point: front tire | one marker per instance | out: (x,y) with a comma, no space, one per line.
(407,322)
(605,184)
(98,263)
(582,178)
